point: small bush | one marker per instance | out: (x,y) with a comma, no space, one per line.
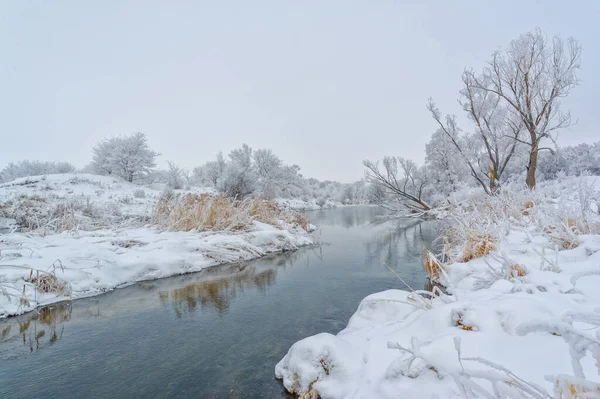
(139,193)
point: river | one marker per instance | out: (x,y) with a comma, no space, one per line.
(213,334)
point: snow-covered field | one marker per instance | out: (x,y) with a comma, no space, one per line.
(520,322)
(83,235)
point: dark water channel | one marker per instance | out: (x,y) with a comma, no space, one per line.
(213,334)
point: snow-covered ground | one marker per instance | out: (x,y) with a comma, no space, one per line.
(522,321)
(83,235)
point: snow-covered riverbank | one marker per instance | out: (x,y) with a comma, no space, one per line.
(82,235)
(88,263)
(521,321)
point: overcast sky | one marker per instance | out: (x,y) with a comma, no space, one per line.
(325,84)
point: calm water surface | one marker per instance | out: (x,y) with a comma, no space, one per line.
(213,334)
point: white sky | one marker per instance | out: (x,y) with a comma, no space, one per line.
(325,84)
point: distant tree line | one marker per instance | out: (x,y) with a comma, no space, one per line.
(243,172)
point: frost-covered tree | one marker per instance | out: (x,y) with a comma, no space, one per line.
(290,182)
(129,157)
(269,169)
(447,169)
(176,176)
(15,170)
(581,158)
(239,178)
(487,150)
(530,78)
(210,173)
(568,160)
(404,183)
(246,171)
(355,193)
(103,157)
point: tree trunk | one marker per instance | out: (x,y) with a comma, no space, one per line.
(530,180)
(492,180)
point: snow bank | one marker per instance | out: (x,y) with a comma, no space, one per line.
(521,322)
(90,263)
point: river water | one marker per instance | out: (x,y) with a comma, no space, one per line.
(213,334)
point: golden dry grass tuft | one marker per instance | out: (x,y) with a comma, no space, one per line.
(569,390)
(431,265)
(477,245)
(527,206)
(206,212)
(566,231)
(459,322)
(518,271)
(48,283)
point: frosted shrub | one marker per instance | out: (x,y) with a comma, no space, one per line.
(139,193)
(473,233)
(562,216)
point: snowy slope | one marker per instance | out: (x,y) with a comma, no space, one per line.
(91,201)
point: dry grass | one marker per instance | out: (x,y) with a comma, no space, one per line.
(566,231)
(477,245)
(431,266)
(566,389)
(518,271)
(527,206)
(458,318)
(48,283)
(205,212)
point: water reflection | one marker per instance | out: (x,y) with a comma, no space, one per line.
(218,293)
(399,242)
(347,217)
(37,330)
(218,287)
